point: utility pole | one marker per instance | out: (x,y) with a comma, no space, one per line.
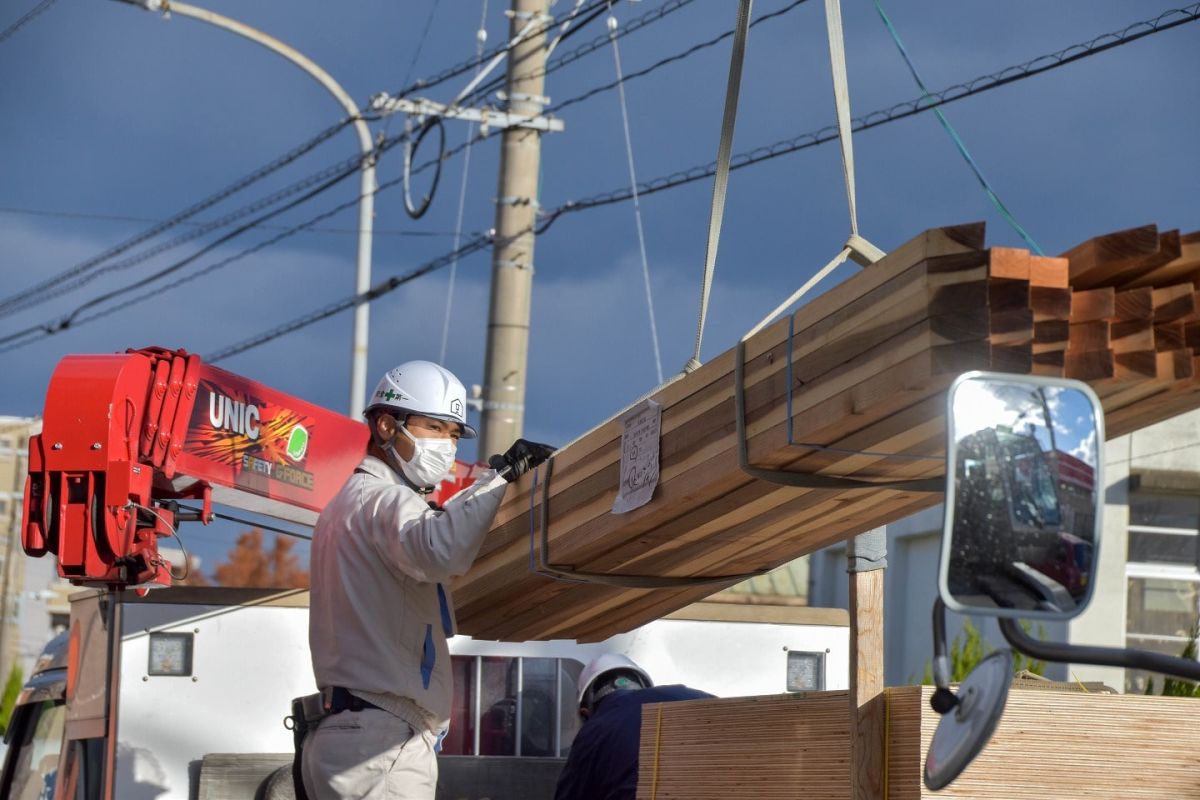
(504,367)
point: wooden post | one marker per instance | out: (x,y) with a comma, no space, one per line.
(866,683)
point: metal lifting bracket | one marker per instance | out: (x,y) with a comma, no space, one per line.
(540,518)
(808,480)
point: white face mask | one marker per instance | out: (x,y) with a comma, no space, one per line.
(433,459)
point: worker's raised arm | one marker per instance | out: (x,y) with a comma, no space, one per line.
(433,545)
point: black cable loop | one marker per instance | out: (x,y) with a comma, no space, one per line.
(410,149)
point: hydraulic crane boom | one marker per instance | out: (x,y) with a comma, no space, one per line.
(125,435)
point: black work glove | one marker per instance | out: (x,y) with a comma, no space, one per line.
(523,456)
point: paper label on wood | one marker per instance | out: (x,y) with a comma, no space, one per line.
(639,456)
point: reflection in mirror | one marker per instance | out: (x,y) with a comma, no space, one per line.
(1022,511)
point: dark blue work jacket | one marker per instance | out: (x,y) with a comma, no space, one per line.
(603,762)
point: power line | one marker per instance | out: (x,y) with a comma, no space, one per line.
(926,102)
(28,17)
(466,66)
(37,292)
(600,42)
(1139,30)
(39,212)
(680,56)
(46,291)
(416,55)
(1165,21)
(475,245)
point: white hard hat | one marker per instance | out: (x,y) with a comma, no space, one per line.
(424,388)
(605,664)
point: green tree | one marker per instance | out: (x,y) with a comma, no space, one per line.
(969,648)
(12,688)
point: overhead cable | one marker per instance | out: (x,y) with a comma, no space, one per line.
(466,66)
(555,64)
(26,18)
(42,212)
(1029,69)
(36,294)
(958,142)
(412,65)
(680,56)
(473,246)
(1165,21)
(39,294)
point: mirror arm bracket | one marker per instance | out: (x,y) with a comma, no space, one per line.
(1062,652)
(943,699)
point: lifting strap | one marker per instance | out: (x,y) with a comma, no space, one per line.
(856,248)
(721,179)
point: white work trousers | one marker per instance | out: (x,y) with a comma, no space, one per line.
(369,755)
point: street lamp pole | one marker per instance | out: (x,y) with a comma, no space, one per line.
(366,202)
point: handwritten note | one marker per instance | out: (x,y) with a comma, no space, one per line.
(639,456)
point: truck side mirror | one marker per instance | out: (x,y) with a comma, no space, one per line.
(1023,484)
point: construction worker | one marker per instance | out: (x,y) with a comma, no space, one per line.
(380,608)
(603,762)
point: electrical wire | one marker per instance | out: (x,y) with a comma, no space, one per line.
(37,294)
(466,66)
(1037,66)
(1163,22)
(69,320)
(680,56)
(416,56)
(637,207)
(25,19)
(46,291)
(600,42)
(958,142)
(391,284)
(38,212)
(339,168)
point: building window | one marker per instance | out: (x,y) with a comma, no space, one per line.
(1163,578)
(511,706)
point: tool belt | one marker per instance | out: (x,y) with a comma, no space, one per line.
(307,713)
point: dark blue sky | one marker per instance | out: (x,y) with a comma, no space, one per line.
(109,110)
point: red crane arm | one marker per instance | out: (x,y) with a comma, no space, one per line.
(124,432)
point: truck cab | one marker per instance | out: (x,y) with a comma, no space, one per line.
(34,737)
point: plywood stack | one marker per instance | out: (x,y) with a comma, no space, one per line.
(860,374)
(1048,744)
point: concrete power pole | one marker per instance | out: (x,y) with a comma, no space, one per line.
(504,367)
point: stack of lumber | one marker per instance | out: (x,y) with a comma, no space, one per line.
(870,362)
(1048,744)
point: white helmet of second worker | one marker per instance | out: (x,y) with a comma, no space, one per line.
(607,673)
(424,388)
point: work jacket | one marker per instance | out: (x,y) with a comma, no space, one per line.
(380,610)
